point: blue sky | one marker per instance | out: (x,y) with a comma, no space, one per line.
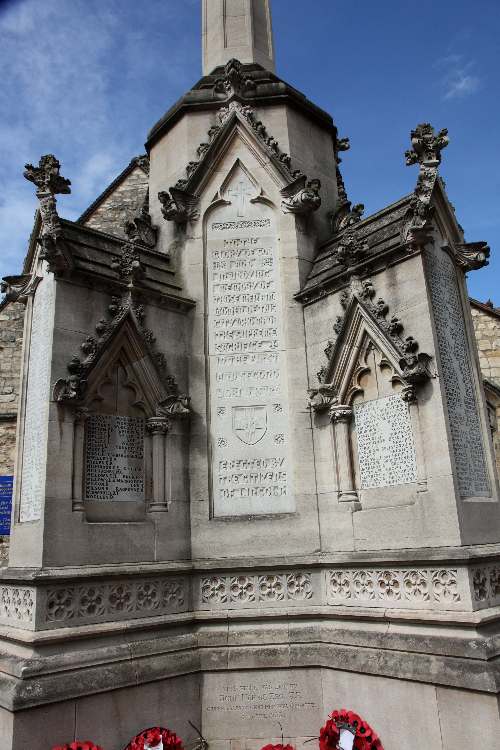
(86,79)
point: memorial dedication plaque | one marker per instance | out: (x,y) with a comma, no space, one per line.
(114,458)
(248,400)
(36,422)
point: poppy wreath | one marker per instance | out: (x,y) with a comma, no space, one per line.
(78,745)
(278,747)
(365,737)
(153,737)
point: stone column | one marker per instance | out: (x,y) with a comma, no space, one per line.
(340,417)
(158,428)
(409,395)
(80,419)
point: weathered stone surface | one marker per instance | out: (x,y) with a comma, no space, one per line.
(237,29)
(120,203)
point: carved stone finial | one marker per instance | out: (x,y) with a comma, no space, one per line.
(178,206)
(426,151)
(234,82)
(301,196)
(49,182)
(47,177)
(128,265)
(350,249)
(426,145)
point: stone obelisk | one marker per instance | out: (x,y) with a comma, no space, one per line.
(238,29)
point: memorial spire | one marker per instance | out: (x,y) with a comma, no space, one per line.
(238,29)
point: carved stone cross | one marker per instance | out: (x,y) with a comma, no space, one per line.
(240,194)
(46,176)
(49,182)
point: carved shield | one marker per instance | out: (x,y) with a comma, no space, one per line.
(249,423)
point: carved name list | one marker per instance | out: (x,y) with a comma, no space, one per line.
(36,419)
(386,448)
(114,458)
(248,402)
(458,379)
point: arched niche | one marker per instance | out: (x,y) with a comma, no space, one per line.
(120,445)
(371,392)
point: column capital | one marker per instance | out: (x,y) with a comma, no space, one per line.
(158,425)
(340,413)
(81,415)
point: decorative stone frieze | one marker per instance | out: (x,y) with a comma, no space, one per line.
(301,197)
(265,589)
(486,585)
(49,182)
(398,588)
(17,606)
(114,600)
(426,151)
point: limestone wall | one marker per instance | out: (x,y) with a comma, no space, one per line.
(486,320)
(122,203)
(11,335)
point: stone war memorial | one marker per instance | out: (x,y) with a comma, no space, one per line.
(255,481)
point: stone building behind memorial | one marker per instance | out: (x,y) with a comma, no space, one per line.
(255,477)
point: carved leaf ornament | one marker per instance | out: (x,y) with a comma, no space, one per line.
(344,730)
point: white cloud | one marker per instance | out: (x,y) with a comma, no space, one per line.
(83,80)
(459,79)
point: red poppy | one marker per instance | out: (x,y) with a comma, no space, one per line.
(365,737)
(278,747)
(78,745)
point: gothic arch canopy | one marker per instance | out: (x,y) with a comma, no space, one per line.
(366,321)
(123,341)
(180,203)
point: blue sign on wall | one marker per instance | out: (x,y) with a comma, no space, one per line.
(6,485)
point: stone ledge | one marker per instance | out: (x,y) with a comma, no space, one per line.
(434,656)
(54,603)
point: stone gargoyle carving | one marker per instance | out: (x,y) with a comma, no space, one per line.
(178,205)
(301,196)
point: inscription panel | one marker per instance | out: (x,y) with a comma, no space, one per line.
(114,458)
(386,448)
(250,704)
(36,418)
(248,401)
(458,380)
